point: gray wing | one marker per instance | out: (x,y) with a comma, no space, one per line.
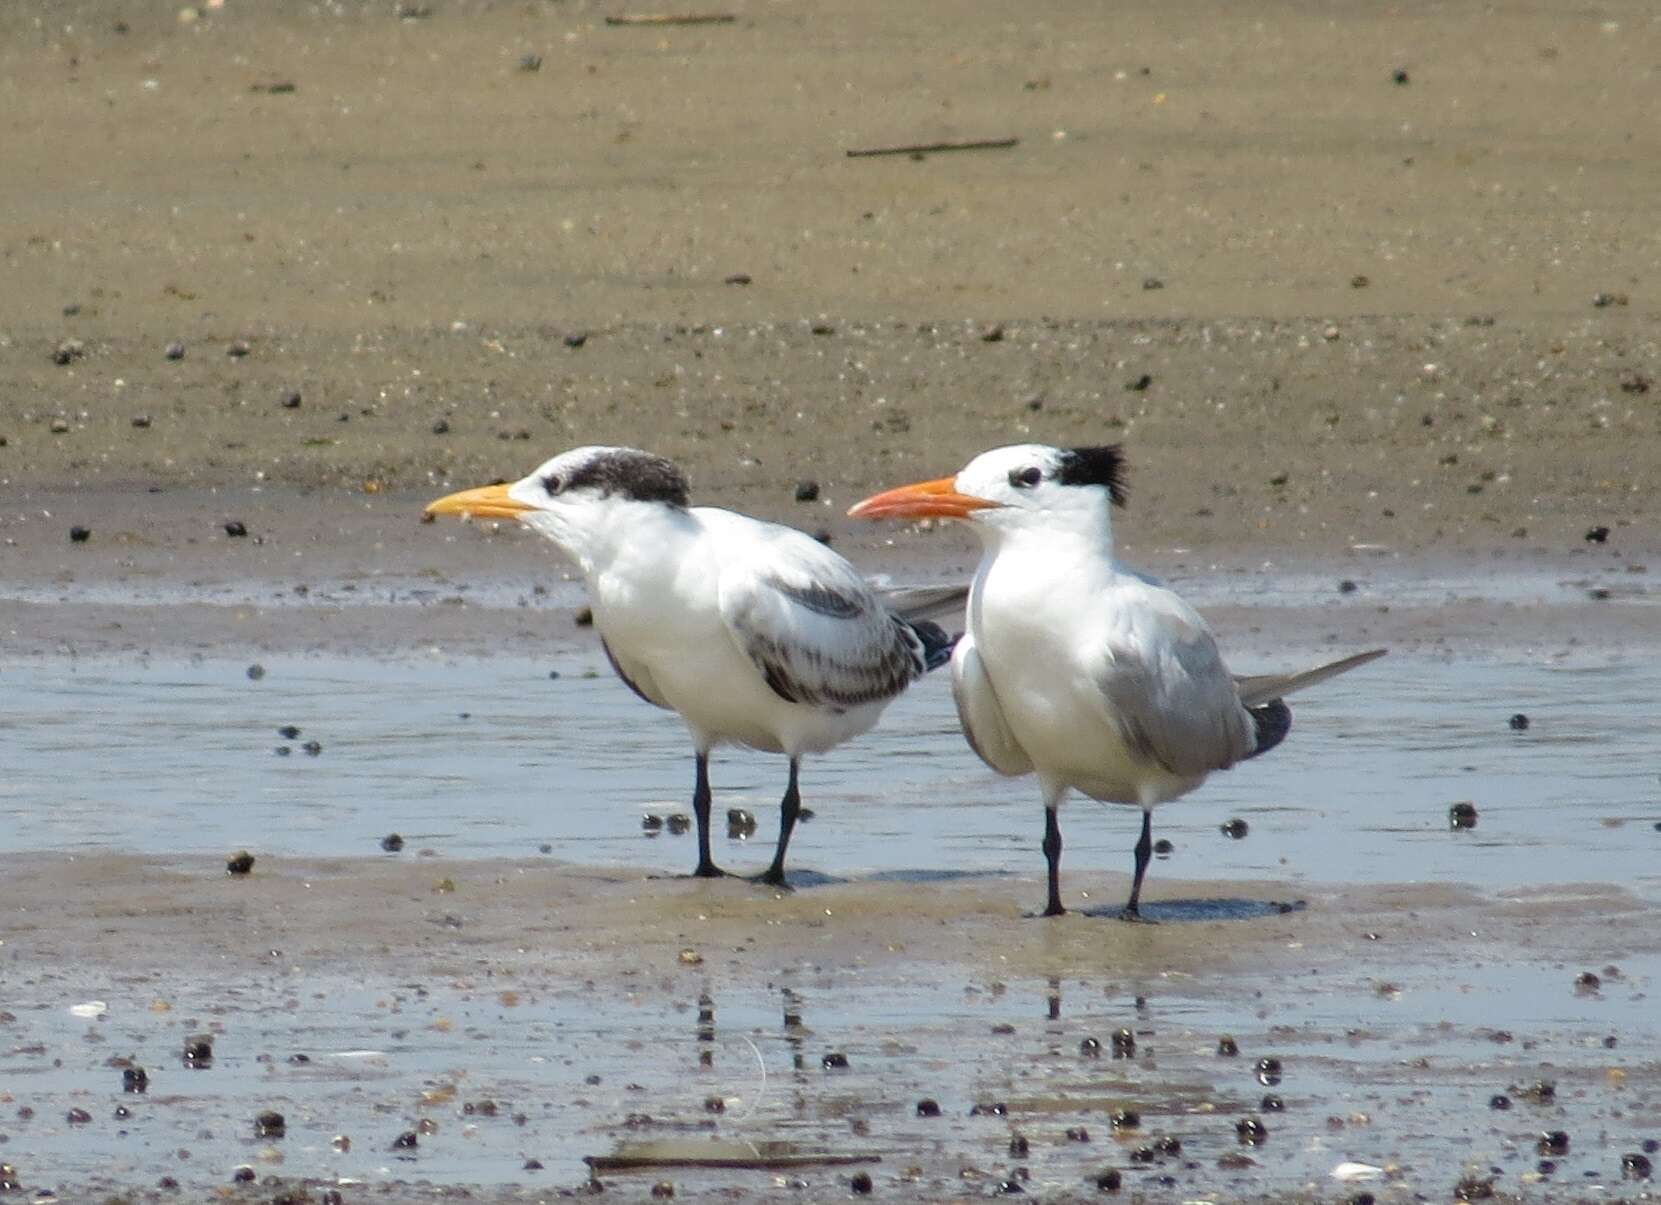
(815,630)
(1174,701)
(982,716)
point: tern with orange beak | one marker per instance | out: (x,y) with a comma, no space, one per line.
(755,634)
(1090,675)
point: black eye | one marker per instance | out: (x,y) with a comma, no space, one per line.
(552,484)
(1025,479)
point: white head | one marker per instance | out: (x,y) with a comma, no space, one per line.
(1023,487)
(577,498)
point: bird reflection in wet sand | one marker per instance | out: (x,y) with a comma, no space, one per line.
(755,634)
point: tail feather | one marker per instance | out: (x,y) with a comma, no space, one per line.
(1273,720)
(937,645)
(1265,688)
(913,603)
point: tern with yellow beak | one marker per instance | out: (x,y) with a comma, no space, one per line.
(1090,675)
(755,634)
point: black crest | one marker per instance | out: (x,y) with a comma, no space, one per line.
(634,474)
(1104,466)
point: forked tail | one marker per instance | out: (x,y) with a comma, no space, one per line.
(1265,688)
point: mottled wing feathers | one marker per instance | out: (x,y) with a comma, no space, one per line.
(814,629)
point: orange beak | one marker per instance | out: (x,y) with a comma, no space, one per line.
(486,502)
(924,500)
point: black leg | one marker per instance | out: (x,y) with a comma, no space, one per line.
(1144,851)
(789,808)
(1052,854)
(707,869)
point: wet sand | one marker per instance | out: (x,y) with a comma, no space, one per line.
(604,1012)
(1369,297)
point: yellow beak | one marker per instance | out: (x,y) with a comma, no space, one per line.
(486,502)
(937,499)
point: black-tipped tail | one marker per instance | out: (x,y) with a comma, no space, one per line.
(937,646)
(1274,721)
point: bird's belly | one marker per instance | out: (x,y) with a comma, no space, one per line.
(723,698)
(1073,741)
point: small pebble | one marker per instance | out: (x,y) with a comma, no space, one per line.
(256,671)
(239,863)
(289,732)
(1235,828)
(1399,77)
(175,350)
(236,528)
(740,823)
(679,823)
(270,1124)
(1150,283)
(407,1141)
(1251,1131)
(1518,722)
(1347,586)
(1124,1043)
(1125,1119)
(928,1108)
(1587,984)
(1597,535)
(1139,384)
(835,1060)
(807,491)
(1163,848)
(1553,1142)
(1473,1188)
(861,1184)
(533,62)
(238,349)
(198,1052)
(141,421)
(1019,1147)
(1636,1167)
(576,339)
(737,278)
(1268,1072)
(651,823)
(1227,1047)
(313,748)
(243,1175)
(1168,1144)
(1109,1181)
(78,1117)
(441,427)
(135,1080)
(291,400)
(1077,1134)
(392,843)
(996,1109)
(80,535)
(1462,815)
(68,352)
(1272,1104)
